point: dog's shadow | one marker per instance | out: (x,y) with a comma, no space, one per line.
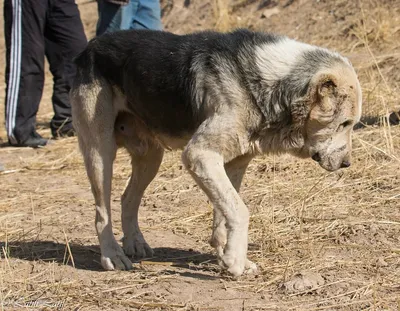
(87,257)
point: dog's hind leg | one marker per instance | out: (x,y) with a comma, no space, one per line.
(94,118)
(144,169)
(235,170)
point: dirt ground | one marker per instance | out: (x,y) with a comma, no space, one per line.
(322,241)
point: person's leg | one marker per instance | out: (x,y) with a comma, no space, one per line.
(61,123)
(65,39)
(110,17)
(23,27)
(138,14)
(128,14)
(148,15)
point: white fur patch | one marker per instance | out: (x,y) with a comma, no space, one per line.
(275,60)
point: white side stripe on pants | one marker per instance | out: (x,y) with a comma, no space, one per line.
(15,70)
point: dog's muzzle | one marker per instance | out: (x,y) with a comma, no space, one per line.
(317,158)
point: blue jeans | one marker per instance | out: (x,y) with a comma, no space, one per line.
(138,14)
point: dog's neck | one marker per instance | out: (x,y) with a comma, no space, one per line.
(284,108)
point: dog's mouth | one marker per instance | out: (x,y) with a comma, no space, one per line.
(330,164)
(328,167)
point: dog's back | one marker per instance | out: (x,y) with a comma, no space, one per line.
(165,78)
(146,68)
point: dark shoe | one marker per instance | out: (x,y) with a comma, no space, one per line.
(34,141)
(63,132)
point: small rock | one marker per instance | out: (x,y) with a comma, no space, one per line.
(373,228)
(394,118)
(303,281)
(270,12)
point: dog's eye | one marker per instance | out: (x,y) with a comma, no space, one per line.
(344,125)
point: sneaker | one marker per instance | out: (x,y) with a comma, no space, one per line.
(34,140)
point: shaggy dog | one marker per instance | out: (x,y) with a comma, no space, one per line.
(223,99)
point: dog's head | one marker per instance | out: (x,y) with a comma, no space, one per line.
(334,100)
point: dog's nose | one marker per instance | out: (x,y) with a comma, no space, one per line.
(316,157)
(345,164)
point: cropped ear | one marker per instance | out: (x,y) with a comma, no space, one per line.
(325,92)
(326,85)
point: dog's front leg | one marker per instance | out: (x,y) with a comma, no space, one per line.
(204,158)
(235,170)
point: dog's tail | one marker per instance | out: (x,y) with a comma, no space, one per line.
(100,59)
(90,90)
(85,64)
(83,58)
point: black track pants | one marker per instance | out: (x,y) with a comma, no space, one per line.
(33,29)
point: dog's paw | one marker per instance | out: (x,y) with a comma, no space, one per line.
(234,263)
(114,258)
(137,247)
(250,267)
(236,266)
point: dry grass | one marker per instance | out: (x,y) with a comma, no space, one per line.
(224,15)
(376,28)
(343,226)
